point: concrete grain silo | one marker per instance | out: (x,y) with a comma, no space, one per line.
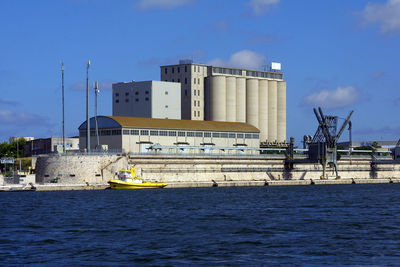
(263,109)
(272,110)
(240,99)
(252,102)
(218,98)
(281,116)
(231,99)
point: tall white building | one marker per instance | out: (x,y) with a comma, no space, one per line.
(234,95)
(148,99)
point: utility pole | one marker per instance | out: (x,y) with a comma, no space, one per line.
(96,91)
(87,109)
(63,114)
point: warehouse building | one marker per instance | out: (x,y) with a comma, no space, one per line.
(147,99)
(141,135)
(232,95)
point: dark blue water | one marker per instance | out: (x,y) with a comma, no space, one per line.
(299,225)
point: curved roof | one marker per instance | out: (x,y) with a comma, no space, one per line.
(149,123)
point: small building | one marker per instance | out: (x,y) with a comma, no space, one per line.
(382,143)
(148,99)
(50,145)
(141,135)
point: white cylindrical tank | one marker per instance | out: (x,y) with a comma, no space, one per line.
(263,109)
(272,110)
(281,116)
(240,99)
(252,102)
(218,98)
(231,99)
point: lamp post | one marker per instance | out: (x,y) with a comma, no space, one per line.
(63,129)
(96,91)
(87,108)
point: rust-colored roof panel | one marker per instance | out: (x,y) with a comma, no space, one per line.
(185,124)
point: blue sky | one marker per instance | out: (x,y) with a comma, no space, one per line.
(340,55)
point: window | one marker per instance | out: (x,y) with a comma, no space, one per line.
(198,113)
(256,136)
(247,136)
(166,106)
(172,133)
(191,134)
(136,93)
(173,80)
(179,80)
(105,132)
(126,93)
(147,92)
(207,134)
(127,100)
(224,135)
(198,80)
(185,80)
(232,135)
(147,99)
(125,132)
(194,113)
(195,104)
(116,94)
(154,133)
(181,133)
(173,69)
(239,135)
(163,133)
(194,92)
(185,92)
(116,101)
(166,92)
(194,80)
(116,132)
(199,134)
(144,132)
(215,135)
(137,99)
(179,69)
(165,70)
(198,92)
(185,68)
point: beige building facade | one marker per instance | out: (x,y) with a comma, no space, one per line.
(143,135)
(225,94)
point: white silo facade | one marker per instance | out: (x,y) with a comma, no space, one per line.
(281,114)
(231,99)
(218,98)
(252,102)
(263,109)
(272,110)
(240,99)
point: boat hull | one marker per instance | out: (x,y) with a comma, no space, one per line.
(118,184)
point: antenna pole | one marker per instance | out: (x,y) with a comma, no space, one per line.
(63,113)
(87,109)
(96,91)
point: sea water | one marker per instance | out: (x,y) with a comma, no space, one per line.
(293,225)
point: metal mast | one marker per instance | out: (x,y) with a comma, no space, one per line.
(96,90)
(63,114)
(87,108)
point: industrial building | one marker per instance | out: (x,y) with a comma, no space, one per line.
(233,95)
(148,99)
(50,145)
(142,135)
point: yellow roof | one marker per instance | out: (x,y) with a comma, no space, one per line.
(149,123)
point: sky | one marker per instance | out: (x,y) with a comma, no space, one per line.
(337,54)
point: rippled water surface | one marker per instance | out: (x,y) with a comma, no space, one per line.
(296,225)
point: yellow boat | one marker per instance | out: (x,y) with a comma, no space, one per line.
(127,179)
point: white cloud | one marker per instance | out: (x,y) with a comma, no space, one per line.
(386,15)
(161,4)
(246,59)
(341,97)
(261,6)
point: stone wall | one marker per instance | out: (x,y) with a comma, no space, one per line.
(70,169)
(181,169)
